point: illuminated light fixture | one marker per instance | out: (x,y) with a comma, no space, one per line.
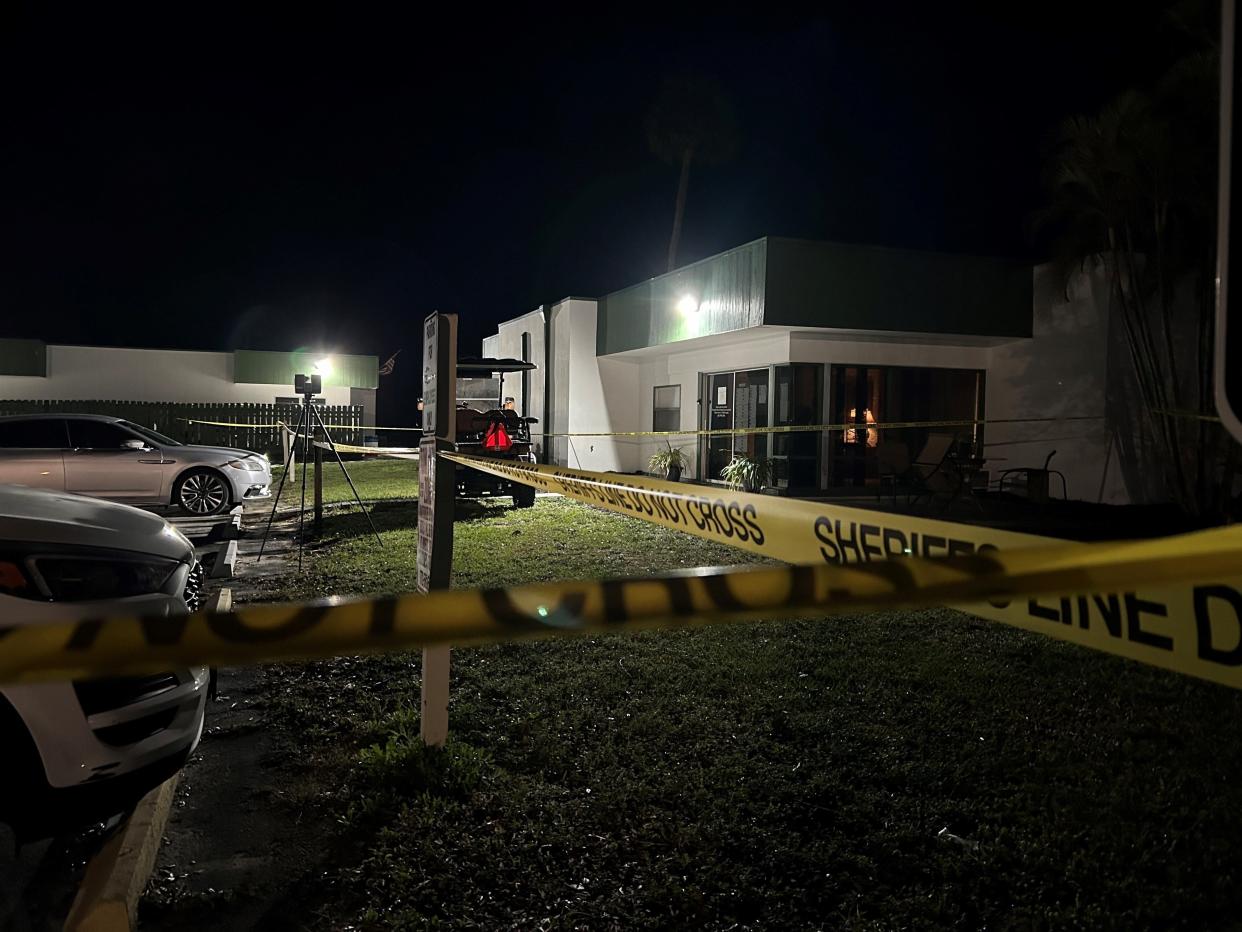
(323,366)
(688,304)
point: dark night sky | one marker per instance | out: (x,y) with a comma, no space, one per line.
(270,185)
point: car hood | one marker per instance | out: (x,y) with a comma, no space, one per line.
(196,452)
(42,517)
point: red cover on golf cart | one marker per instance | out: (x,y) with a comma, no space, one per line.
(497,437)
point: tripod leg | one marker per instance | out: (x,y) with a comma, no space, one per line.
(307,446)
(279,488)
(341,463)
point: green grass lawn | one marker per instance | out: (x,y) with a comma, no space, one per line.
(375,479)
(904,769)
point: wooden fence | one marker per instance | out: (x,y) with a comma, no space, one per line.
(175,420)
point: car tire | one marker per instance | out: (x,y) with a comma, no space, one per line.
(524,496)
(202,492)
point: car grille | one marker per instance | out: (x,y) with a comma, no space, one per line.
(116,692)
(193,593)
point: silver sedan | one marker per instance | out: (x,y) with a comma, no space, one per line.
(109,457)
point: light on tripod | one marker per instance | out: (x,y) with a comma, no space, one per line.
(306,385)
(323,366)
(303,442)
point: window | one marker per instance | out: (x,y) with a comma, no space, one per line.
(39,434)
(152,436)
(795,455)
(666,412)
(97,435)
(866,395)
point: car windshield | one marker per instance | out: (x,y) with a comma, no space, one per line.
(153,435)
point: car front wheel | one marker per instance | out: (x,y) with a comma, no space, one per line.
(202,492)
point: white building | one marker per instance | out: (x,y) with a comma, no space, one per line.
(33,370)
(786,332)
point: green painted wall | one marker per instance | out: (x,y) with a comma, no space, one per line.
(804,283)
(23,357)
(816,284)
(270,368)
(727,287)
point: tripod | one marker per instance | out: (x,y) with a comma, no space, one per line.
(304,434)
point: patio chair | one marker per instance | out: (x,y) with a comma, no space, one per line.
(893,460)
(931,474)
(1037,480)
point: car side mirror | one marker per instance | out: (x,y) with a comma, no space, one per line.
(136,445)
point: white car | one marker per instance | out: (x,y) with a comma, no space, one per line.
(109,457)
(72,753)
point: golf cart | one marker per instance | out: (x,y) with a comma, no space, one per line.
(493,431)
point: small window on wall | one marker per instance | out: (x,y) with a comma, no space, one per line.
(666,412)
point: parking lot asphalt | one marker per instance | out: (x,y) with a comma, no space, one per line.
(235,844)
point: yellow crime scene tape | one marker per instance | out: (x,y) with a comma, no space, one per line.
(723,431)
(1187,415)
(1171,602)
(372,451)
(1194,627)
(283,632)
(287,427)
(819,428)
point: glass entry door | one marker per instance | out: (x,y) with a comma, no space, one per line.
(718,450)
(750,409)
(736,401)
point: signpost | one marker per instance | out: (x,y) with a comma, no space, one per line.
(1228,232)
(436,492)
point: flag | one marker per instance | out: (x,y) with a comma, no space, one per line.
(386,369)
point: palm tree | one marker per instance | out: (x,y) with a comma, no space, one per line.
(691,120)
(1128,191)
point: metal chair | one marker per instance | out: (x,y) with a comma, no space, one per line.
(1036,480)
(929,474)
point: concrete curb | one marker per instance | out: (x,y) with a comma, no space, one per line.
(107,900)
(226,560)
(226,530)
(224,601)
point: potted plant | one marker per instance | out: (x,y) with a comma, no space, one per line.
(670,462)
(746,473)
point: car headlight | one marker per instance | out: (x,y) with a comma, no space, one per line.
(72,578)
(247,465)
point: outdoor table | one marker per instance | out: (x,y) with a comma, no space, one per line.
(965,468)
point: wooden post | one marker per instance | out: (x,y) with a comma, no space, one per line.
(433,728)
(318,526)
(437,488)
(284,442)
